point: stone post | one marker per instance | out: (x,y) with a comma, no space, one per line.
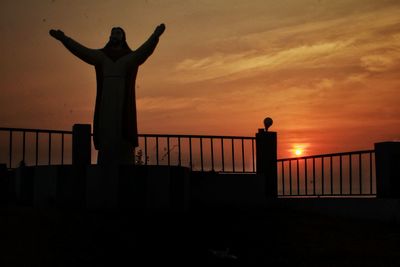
(81,144)
(266,160)
(71,188)
(4,185)
(387,162)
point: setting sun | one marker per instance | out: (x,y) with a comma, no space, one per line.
(299,149)
(298,152)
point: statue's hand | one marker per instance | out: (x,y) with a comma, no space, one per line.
(160,29)
(57,34)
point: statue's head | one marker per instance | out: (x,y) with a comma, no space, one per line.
(117,38)
(117,35)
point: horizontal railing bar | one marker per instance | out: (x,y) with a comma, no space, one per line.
(328,196)
(35,130)
(330,155)
(196,136)
(140,135)
(227,172)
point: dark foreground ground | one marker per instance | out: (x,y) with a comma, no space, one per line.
(270,237)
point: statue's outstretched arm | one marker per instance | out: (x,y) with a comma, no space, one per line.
(90,56)
(146,49)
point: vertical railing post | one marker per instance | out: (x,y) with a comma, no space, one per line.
(387,162)
(10,149)
(23,145)
(49,149)
(266,149)
(79,183)
(222,155)
(243,165)
(201,154)
(298,176)
(252,155)
(62,149)
(212,154)
(37,147)
(145,150)
(168,152)
(81,144)
(180,153)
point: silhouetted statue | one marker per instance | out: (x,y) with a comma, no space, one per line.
(116,65)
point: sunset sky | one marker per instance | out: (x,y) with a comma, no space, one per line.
(327,72)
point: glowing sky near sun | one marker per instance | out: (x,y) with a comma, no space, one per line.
(327,72)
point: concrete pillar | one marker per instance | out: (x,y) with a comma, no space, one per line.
(4,181)
(266,149)
(23,185)
(179,188)
(387,162)
(81,144)
(45,186)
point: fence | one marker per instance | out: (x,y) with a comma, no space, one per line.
(16,145)
(199,152)
(339,174)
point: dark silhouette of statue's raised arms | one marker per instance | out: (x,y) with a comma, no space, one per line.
(116,65)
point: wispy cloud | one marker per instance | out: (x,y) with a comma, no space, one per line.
(160,104)
(359,39)
(221,65)
(380,63)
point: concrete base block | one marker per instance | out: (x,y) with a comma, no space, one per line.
(71,185)
(138,187)
(158,185)
(45,186)
(101,187)
(154,187)
(180,188)
(387,210)
(228,190)
(4,184)
(23,185)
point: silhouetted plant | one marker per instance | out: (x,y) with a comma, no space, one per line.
(139,158)
(167,153)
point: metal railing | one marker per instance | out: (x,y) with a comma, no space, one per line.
(17,152)
(339,174)
(199,152)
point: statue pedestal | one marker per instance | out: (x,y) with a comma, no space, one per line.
(141,187)
(50,186)
(97,187)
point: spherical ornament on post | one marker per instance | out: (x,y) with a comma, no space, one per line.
(267,123)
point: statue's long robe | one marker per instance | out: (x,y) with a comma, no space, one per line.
(115,123)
